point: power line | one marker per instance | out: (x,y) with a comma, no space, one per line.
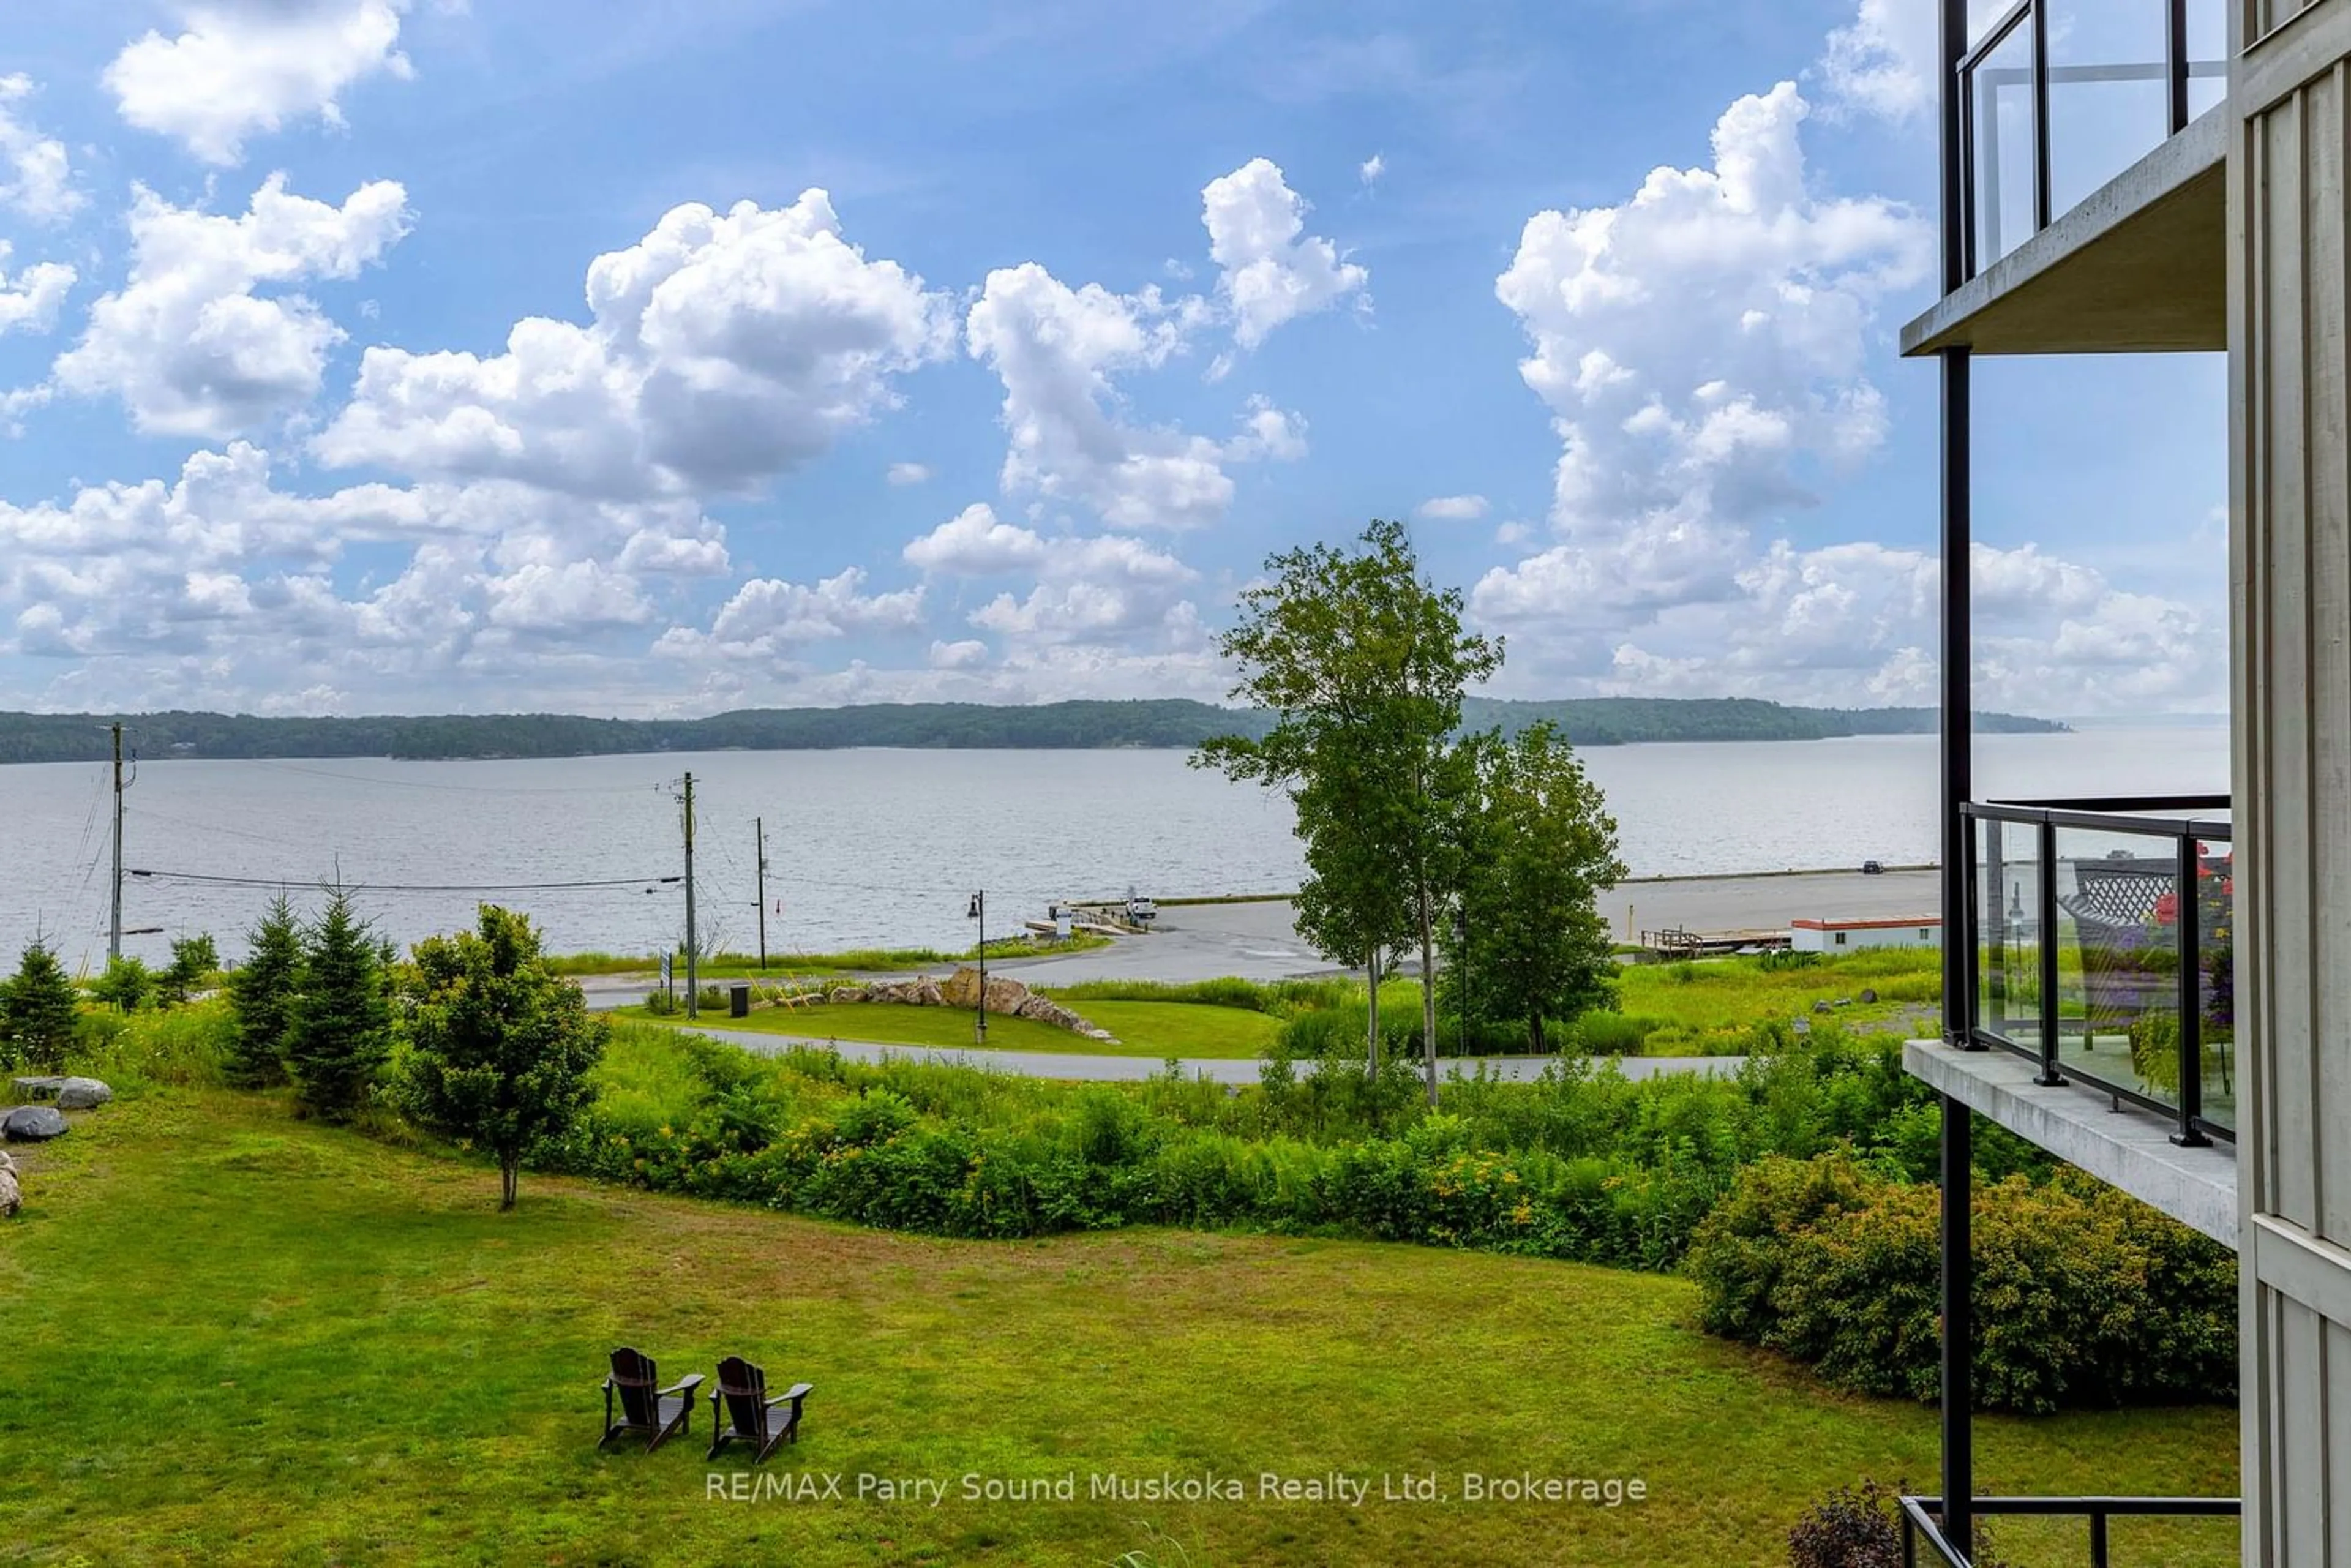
(405,887)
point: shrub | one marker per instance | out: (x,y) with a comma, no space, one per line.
(1613,1034)
(2085,1297)
(1849,1529)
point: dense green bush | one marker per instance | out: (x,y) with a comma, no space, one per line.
(2085,1296)
(1579,1163)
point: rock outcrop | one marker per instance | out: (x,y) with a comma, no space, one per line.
(1007,997)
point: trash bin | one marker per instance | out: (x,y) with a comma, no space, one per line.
(738,1000)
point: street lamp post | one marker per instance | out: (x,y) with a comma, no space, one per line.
(978,910)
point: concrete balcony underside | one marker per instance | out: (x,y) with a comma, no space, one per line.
(2140,265)
(2130,1148)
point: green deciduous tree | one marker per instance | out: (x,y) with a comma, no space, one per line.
(339,1029)
(125,986)
(1537,848)
(495,1050)
(1363,664)
(261,994)
(36,1010)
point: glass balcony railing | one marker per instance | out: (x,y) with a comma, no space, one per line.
(2058,96)
(2101,939)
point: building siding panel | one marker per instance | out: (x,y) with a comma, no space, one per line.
(2291,562)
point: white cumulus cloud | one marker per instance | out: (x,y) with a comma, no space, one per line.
(1454,509)
(189,345)
(30,299)
(238,68)
(1270,269)
(722,349)
(1702,348)
(38,181)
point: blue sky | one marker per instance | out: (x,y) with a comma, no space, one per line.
(981,352)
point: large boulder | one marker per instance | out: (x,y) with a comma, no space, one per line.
(11,1197)
(82,1094)
(924,993)
(841,994)
(1005,994)
(70,1093)
(7,1161)
(32,1125)
(960,990)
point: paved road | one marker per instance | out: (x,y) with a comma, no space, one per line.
(1216,1069)
(1259,941)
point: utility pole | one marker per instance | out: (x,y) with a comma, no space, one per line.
(759,830)
(693,988)
(114,924)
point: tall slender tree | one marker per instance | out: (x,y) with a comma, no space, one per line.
(1540,849)
(1364,663)
(261,993)
(339,1032)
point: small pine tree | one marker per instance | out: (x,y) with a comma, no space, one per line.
(195,961)
(339,1032)
(496,1049)
(261,995)
(36,1010)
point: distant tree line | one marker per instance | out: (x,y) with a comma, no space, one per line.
(1168,723)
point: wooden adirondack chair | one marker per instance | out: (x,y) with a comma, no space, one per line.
(741,1408)
(645,1405)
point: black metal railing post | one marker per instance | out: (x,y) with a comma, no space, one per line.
(2175,45)
(2041,182)
(2098,1541)
(2191,999)
(2047,917)
(1994,837)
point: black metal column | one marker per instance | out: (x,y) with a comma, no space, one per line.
(1958,745)
(1958,1328)
(1958,786)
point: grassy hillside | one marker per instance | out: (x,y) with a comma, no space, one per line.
(235,1337)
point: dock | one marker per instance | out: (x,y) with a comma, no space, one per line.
(1678,944)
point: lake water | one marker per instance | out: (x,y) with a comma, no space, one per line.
(885,847)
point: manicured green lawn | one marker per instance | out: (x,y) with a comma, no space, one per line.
(1182,1029)
(233,1337)
(1144,1029)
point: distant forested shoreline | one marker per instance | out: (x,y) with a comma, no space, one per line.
(1067,725)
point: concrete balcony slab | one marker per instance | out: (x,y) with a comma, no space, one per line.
(2140,265)
(2130,1147)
